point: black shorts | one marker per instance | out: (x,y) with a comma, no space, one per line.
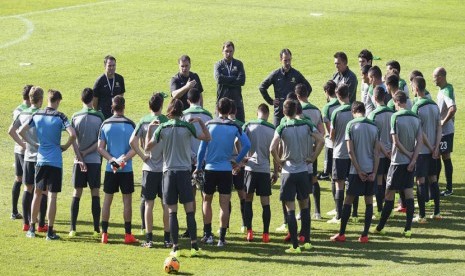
(48,178)
(113,182)
(29,172)
(357,187)
(341,168)
(447,143)
(398,178)
(218,180)
(177,185)
(92,176)
(151,185)
(258,182)
(383,166)
(425,165)
(293,184)
(238,180)
(19,163)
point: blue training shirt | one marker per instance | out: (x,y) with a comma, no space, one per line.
(49,124)
(116,132)
(219,150)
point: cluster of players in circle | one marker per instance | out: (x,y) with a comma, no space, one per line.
(373,148)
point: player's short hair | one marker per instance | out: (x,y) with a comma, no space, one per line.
(193,95)
(358,107)
(184,58)
(118,103)
(419,83)
(87,95)
(342,90)
(301,90)
(284,51)
(264,109)
(289,108)
(291,96)
(107,58)
(441,71)
(299,109)
(174,108)
(394,64)
(224,106)
(415,73)
(365,69)
(54,95)
(375,72)
(228,44)
(233,109)
(366,54)
(400,97)
(156,102)
(330,88)
(380,93)
(342,56)
(36,94)
(392,80)
(26,90)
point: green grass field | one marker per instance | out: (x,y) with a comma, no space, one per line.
(65,42)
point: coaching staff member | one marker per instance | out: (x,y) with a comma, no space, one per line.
(185,80)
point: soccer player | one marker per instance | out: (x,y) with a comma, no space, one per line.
(365,57)
(49,123)
(446,103)
(152,170)
(113,145)
(362,137)
(381,116)
(107,86)
(428,112)
(294,134)
(219,166)
(341,160)
(87,124)
(284,80)
(407,139)
(392,85)
(314,114)
(19,156)
(185,80)
(174,137)
(376,78)
(413,74)
(257,170)
(366,99)
(230,77)
(345,75)
(395,65)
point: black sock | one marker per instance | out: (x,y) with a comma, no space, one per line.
(355,209)
(368,218)
(166,236)
(142,213)
(344,218)
(43,210)
(305,221)
(50,230)
(248,214)
(421,199)
(292,226)
(448,169)
(387,209)
(191,226)
(230,211)
(284,212)
(242,211)
(316,197)
(105,226)
(149,236)
(15,191)
(174,227)
(427,190)
(207,229)
(410,209)
(438,167)
(340,202)
(195,245)
(380,197)
(333,191)
(96,212)
(127,227)
(402,198)
(33,227)
(27,198)
(435,197)
(222,234)
(266,216)
(74,212)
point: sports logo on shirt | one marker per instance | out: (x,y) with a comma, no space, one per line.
(293,80)
(117,84)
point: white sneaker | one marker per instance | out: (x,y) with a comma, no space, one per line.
(334,220)
(243,229)
(207,240)
(282,228)
(332,212)
(221,244)
(316,216)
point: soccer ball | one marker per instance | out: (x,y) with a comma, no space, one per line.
(171,265)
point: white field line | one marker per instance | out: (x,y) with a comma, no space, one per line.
(24,37)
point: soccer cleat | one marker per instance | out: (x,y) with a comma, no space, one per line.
(354,219)
(323,176)
(96,235)
(307,246)
(105,238)
(207,239)
(332,212)
(26,227)
(167,244)
(447,193)
(221,243)
(148,244)
(129,238)
(301,239)
(243,229)
(419,220)
(293,250)
(374,230)
(16,216)
(436,217)
(317,216)
(52,237)
(197,253)
(30,234)
(282,228)
(266,237)
(363,239)
(72,234)
(401,209)
(249,235)
(338,238)
(185,235)
(42,229)
(175,253)
(334,220)
(287,238)
(407,233)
